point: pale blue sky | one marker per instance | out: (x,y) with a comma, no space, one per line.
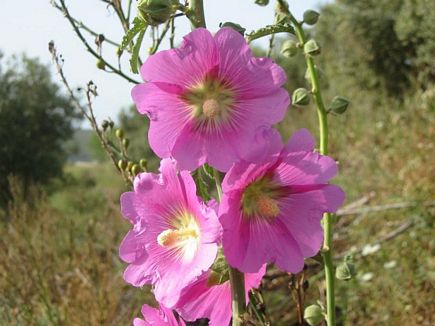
(27,26)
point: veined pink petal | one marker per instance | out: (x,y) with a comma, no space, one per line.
(271,211)
(160,316)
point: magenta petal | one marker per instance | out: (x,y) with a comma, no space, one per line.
(186,65)
(301,140)
(189,149)
(168,115)
(130,249)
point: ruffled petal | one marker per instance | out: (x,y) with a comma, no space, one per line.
(186,65)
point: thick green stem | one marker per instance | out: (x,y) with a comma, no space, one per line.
(196,13)
(237,279)
(327,218)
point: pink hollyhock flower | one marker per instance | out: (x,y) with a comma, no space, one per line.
(271,211)
(174,236)
(157,317)
(210,296)
(207,99)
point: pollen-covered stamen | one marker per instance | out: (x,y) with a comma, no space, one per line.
(261,199)
(182,236)
(210,101)
(173,238)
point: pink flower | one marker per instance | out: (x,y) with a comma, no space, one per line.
(157,317)
(210,297)
(174,237)
(271,211)
(209,98)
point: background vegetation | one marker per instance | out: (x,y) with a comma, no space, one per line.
(58,242)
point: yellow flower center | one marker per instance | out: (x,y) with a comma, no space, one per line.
(261,199)
(210,102)
(182,237)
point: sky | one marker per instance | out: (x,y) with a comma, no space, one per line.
(27,27)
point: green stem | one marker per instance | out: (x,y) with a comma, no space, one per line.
(237,278)
(323,148)
(196,13)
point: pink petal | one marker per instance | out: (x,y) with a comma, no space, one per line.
(184,66)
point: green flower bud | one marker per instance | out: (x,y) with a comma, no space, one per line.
(262,2)
(289,48)
(101,64)
(312,48)
(130,165)
(119,133)
(345,271)
(143,164)
(339,104)
(122,165)
(135,169)
(313,315)
(155,12)
(125,142)
(311,17)
(119,52)
(234,26)
(301,97)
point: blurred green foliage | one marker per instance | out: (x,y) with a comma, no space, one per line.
(35,120)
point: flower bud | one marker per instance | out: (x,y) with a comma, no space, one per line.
(339,104)
(130,165)
(312,48)
(119,133)
(345,271)
(301,97)
(125,142)
(234,26)
(262,2)
(119,52)
(289,48)
(135,169)
(101,64)
(313,315)
(111,124)
(105,125)
(311,17)
(155,12)
(122,165)
(143,164)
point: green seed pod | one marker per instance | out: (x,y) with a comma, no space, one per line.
(339,104)
(126,143)
(289,48)
(313,315)
(312,48)
(119,133)
(311,17)
(143,164)
(122,165)
(234,26)
(345,271)
(155,12)
(135,170)
(301,97)
(101,64)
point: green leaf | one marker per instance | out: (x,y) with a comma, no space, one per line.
(138,26)
(201,185)
(134,60)
(270,29)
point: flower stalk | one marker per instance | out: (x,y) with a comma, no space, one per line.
(196,13)
(237,278)
(323,149)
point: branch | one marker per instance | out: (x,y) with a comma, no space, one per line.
(64,9)
(89,112)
